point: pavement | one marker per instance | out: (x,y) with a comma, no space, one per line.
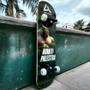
(75,79)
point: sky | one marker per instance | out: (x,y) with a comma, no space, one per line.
(68,11)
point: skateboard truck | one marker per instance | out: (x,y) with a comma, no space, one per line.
(45,71)
(45,17)
(47,20)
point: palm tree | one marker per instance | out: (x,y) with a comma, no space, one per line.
(11,4)
(88,27)
(79,24)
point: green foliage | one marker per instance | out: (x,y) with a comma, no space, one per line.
(88,27)
(32,4)
(8,8)
(80,25)
(2,6)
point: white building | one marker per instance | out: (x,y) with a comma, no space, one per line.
(69,26)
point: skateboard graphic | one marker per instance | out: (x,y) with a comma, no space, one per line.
(46,68)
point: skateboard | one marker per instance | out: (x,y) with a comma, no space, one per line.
(46,68)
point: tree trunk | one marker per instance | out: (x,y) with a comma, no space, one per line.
(9,8)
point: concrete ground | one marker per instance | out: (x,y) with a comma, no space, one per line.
(75,79)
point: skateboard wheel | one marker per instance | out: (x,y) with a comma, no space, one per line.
(43,72)
(57,69)
(51,21)
(44,17)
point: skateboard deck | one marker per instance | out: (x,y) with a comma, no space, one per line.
(46,68)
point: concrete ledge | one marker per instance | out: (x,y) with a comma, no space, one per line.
(72,31)
(21,22)
(16,21)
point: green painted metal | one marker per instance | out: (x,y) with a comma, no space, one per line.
(73,49)
(17,56)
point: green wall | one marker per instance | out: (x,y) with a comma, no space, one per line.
(17,53)
(17,56)
(72,49)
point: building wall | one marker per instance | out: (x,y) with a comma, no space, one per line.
(69,26)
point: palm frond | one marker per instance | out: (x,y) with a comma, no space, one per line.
(79,24)
(32,4)
(18,10)
(29,3)
(2,6)
(20,14)
(88,24)
(16,5)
